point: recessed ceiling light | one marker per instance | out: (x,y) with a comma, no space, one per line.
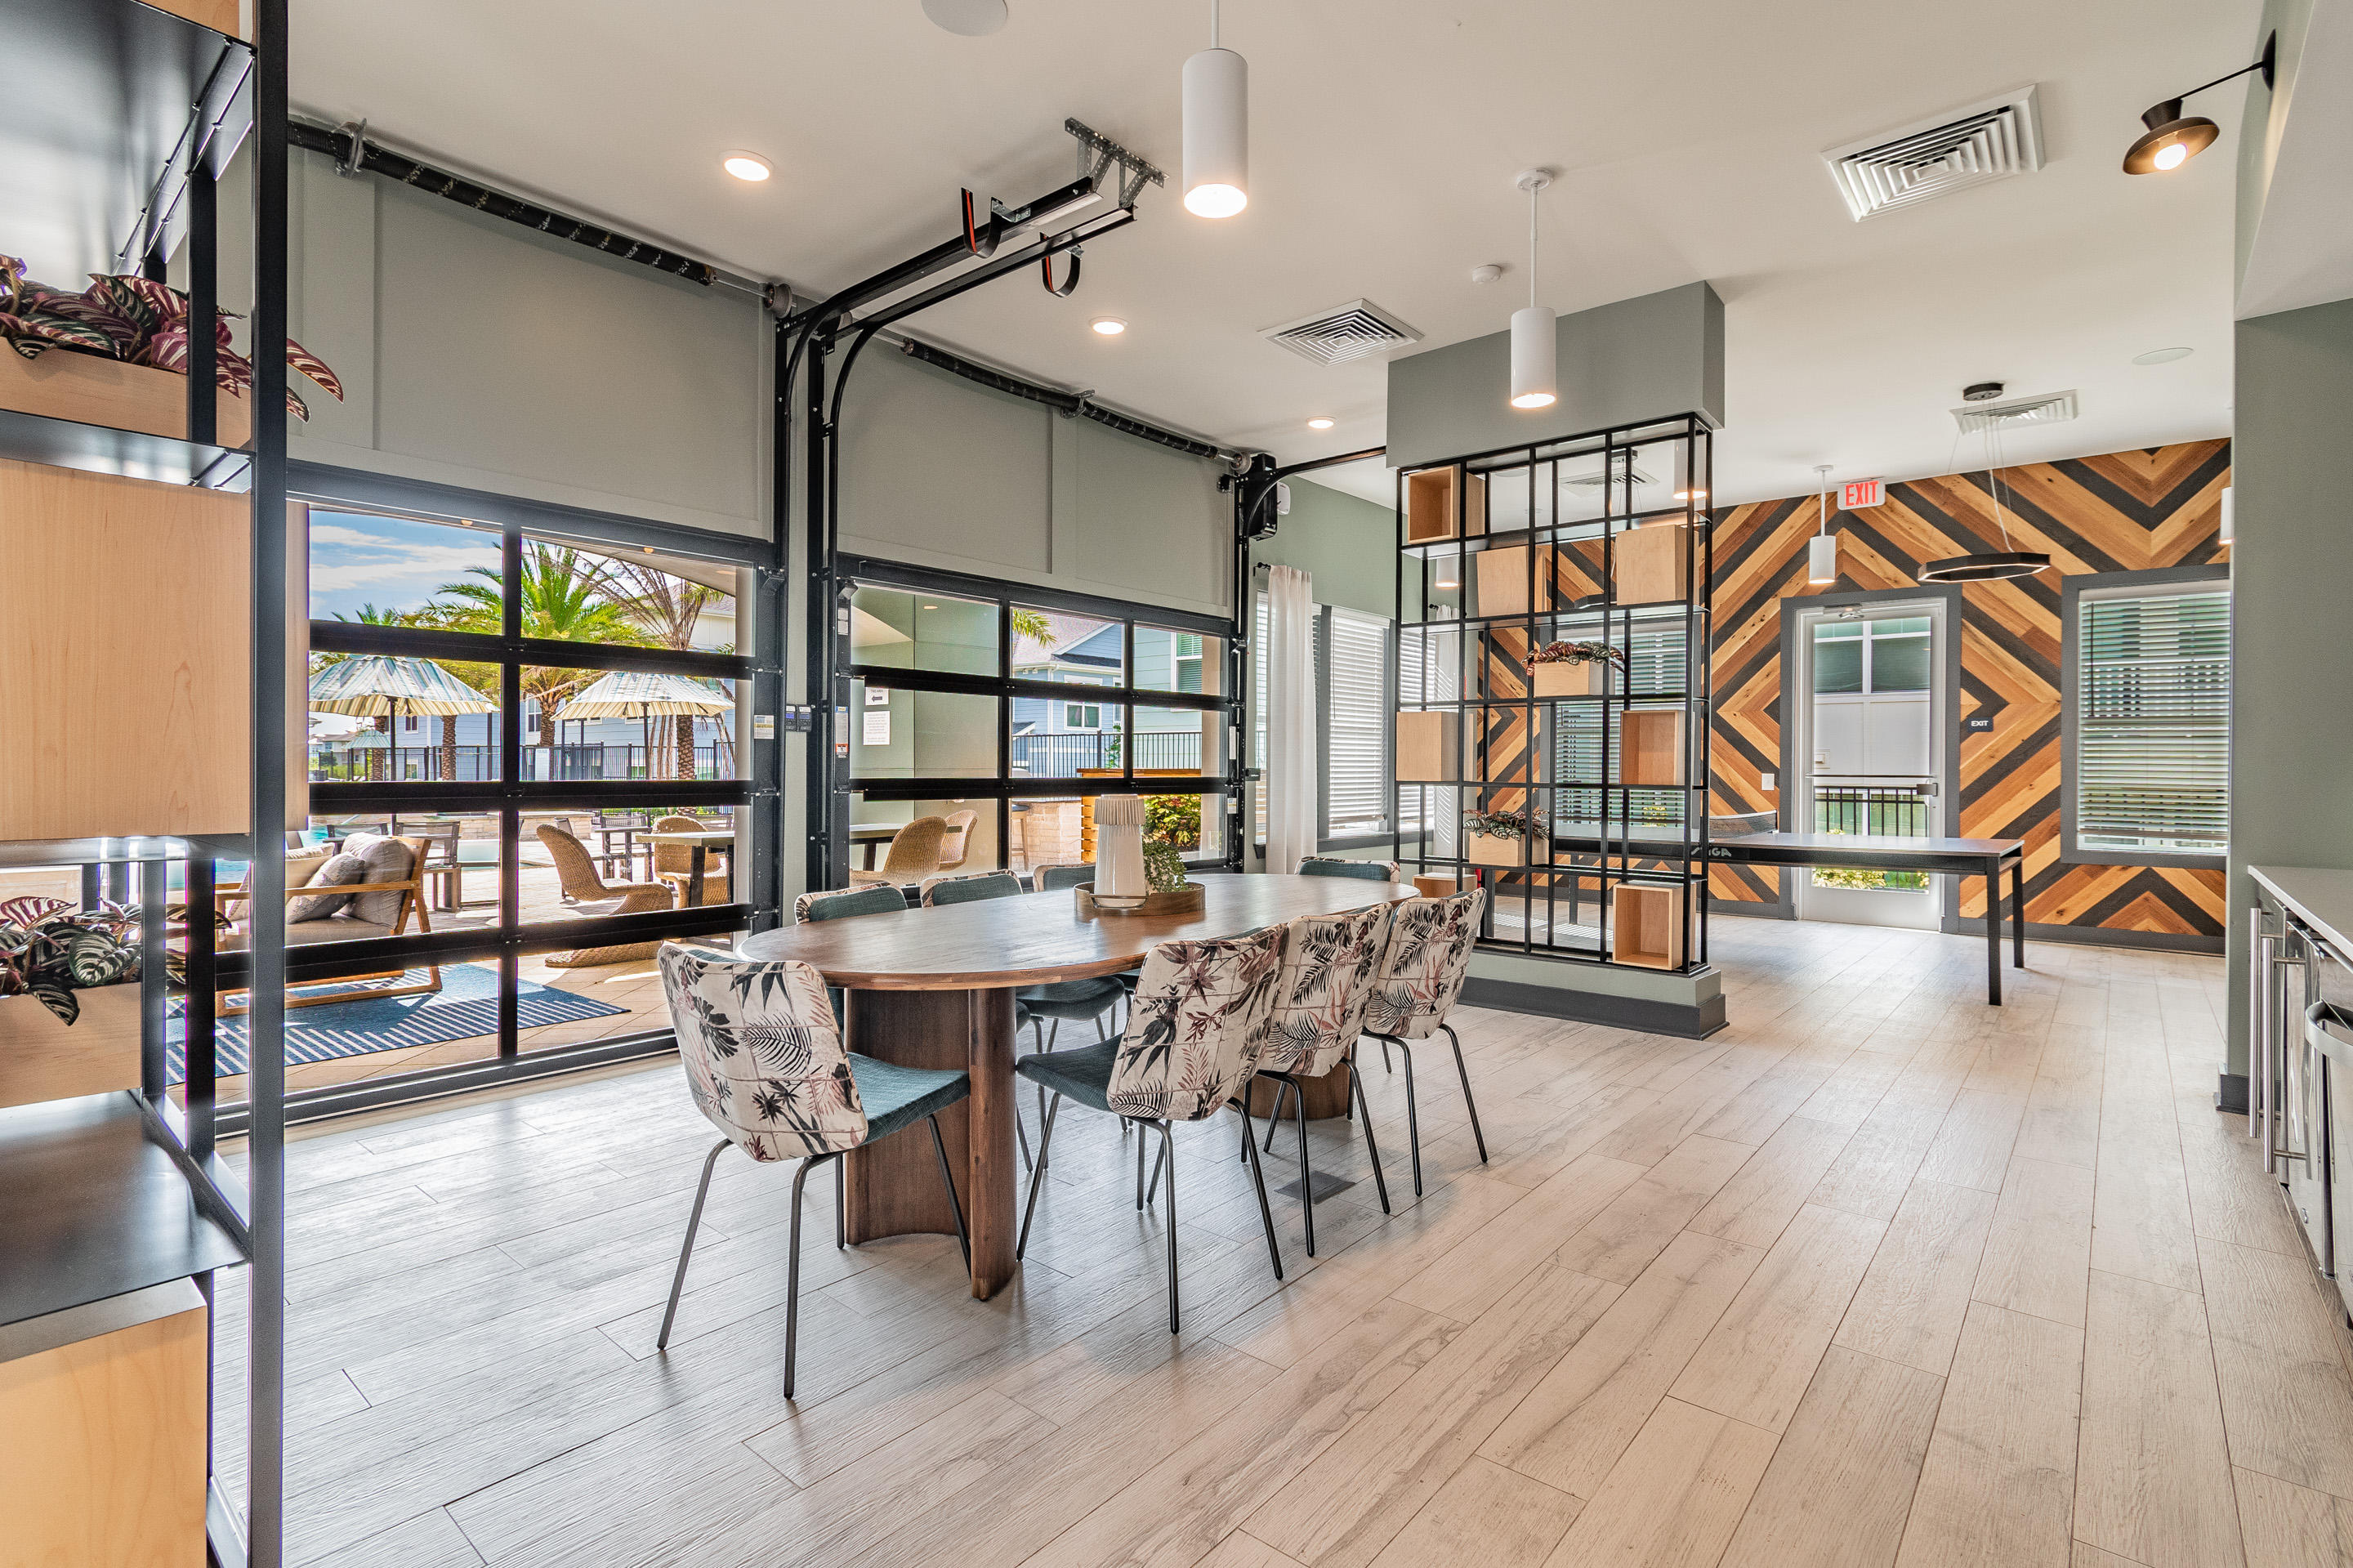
(2162,355)
(930,607)
(966,19)
(747,167)
(1319,423)
(1108,326)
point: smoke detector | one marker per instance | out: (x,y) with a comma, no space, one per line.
(2054,409)
(1354,331)
(1989,141)
(1486,272)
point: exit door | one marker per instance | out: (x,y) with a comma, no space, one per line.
(1869,754)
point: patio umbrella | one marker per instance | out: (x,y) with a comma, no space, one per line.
(644,695)
(374,685)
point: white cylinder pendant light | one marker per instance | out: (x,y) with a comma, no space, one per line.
(1534,346)
(1216,130)
(1821,550)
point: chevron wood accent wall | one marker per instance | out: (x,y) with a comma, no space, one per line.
(2133,511)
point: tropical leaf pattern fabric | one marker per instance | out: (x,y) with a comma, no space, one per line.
(1429,954)
(1197,1026)
(1329,965)
(765,1059)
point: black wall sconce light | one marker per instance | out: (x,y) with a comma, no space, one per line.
(2171,140)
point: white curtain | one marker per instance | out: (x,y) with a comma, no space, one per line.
(1291,732)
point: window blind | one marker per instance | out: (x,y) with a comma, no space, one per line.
(2153,721)
(1354,650)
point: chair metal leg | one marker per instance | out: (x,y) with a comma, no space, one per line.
(1412,1116)
(1140,1199)
(840,1204)
(1169,1218)
(1021,1134)
(1036,1177)
(793,1268)
(947,1179)
(1468,1103)
(1380,1183)
(693,1223)
(1386,1066)
(1258,1180)
(1306,1177)
(1274,1115)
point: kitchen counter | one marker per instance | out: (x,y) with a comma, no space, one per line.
(2322,899)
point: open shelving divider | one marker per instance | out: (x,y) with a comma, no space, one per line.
(108,1193)
(1599,537)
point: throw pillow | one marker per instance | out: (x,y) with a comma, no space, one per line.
(387,860)
(336,871)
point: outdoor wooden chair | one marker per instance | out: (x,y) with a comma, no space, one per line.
(958,835)
(339,928)
(592,896)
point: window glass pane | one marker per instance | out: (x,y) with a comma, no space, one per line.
(1355,730)
(1899,663)
(389,570)
(456,737)
(1838,663)
(970,843)
(601,593)
(909,630)
(623,723)
(1054,645)
(2152,765)
(895,733)
(1170,661)
(1174,740)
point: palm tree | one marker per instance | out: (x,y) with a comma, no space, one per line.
(565,597)
(667,608)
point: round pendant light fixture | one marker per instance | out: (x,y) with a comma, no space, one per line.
(1821,550)
(1533,342)
(1988,565)
(1216,130)
(2172,139)
(966,19)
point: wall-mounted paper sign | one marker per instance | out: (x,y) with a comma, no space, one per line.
(878,728)
(878,696)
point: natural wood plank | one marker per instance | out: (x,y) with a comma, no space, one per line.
(1243,1550)
(1852,1454)
(2038,1253)
(2279,1357)
(1625,1238)
(2231,1199)
(1484,1516)
(2153,1478)
(1875,1171)
(1996,1489)
(1676,1495)
(1972,1149)
(2288,1526)
(1755,1365)
(1759,1203)
(1910,1303)
(1485,1267)
(2140,1218)
(1575,1424)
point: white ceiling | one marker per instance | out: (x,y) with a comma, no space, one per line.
(1384,136)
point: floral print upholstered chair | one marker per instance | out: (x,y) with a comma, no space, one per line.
(1200,1019)
(1329,965)
(765,1063)
(1429,956)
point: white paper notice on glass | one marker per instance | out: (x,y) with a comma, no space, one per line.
(878,728)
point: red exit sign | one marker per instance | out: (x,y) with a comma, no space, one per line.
(1858,494)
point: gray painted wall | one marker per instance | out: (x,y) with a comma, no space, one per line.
(1346,544)
(2291,577)
(1620,364)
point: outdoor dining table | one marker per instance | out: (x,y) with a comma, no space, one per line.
(701,841)
(934,988)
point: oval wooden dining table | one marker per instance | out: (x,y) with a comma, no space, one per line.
(934,988)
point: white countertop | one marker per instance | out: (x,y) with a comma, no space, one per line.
(2322,899)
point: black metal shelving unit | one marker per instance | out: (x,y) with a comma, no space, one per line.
(1537,550)
(122,119)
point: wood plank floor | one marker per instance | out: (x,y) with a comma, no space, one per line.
(1877,1275)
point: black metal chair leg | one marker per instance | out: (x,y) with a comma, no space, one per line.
(840,1204)
(1386,1066)
(1274,1116)
(1468,1103)
(1413,1115)
(1258,1180)
(1021,1134)
(1139,1198)
(1153,1186)
(947,1179)
(1306,1177)
(1036,1177)
(793,1269)
(1380,1183)
(1169,1218)
(693,1223)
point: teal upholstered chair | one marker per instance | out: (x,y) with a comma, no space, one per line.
(1193,1038)
(1364,870)
(1079,1001)
(1052,878)
(965,889)
(842,902)
(765,1063)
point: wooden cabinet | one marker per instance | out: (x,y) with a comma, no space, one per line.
(125,656)
(1648,565)
(1646,925)
(103,1433)
(1431,510)
(1650,747)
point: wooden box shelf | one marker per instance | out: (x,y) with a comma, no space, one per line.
(1429,746)
(1646,925)
(93,391)
(1650,747)
(1430,513)
(1648,565)
(1503,580)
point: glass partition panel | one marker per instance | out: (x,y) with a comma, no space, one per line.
(906,629)
(392,571)
(895,733)
(1058,645)
(581,723)
(577,592)
(1168,660)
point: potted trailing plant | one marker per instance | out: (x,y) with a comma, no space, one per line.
(1573,669)
(49,950)
(1496,838)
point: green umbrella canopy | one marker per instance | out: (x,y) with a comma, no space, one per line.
(372,684)
(640,694)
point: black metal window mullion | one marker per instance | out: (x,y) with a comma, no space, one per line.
(510,776)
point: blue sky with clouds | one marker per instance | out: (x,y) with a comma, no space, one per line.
(387,562)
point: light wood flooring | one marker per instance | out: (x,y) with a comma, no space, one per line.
(1877,1275)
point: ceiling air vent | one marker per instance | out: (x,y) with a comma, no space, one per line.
(2055,408)
(1989,141)
(1596,479)
(1333,337)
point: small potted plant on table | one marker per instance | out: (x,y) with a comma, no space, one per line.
(1494,837)
(1573,669)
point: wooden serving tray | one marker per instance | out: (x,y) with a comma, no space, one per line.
(1187,900)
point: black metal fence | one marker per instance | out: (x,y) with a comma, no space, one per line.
(1063,756)
(478,764)
(1902,813)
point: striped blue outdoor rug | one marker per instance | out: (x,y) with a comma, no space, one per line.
(467,1005)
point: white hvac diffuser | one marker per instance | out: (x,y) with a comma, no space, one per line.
(1121,880)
